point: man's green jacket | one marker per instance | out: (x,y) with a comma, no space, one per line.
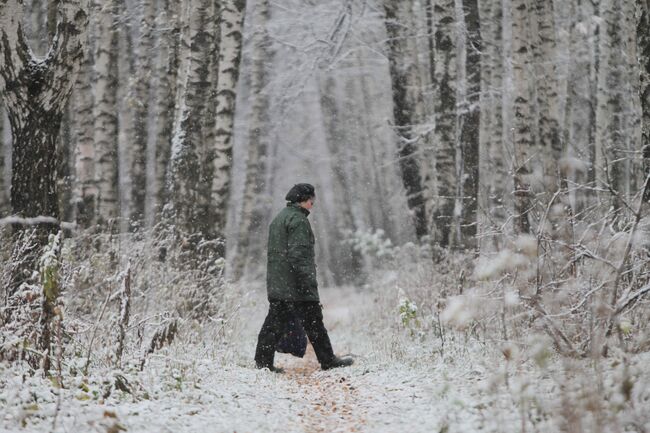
(291,266)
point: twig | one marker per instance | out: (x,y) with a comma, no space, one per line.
(125,306)
(621,266)
(624,304)
(92,338)
(59,357)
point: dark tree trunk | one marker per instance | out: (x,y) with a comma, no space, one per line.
(470,123)
(165,100)
(4,186)
(404,117)
(643,53)
(35,93)
(140,116)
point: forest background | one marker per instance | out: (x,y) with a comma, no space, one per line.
(464,153)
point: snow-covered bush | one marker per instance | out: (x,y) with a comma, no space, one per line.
(371,244)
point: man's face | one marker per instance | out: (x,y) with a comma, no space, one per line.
(309,203)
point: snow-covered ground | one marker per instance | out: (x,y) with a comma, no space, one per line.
(398,383)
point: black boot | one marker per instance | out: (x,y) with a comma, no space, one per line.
(338,362)
(270,367)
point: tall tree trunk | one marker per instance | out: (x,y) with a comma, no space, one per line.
(405,88)
(493,168)
(470,127)
(35,93)
(523,141)
(65,166)
(126,107)
(579,105)
(106,114)
(165,101)
(232,20)
(85,194)
(4,185)
(643,54)
(255,209)
(184,175)
(205,214)
(610,148)
(544,51)
(144,64)
(446,137)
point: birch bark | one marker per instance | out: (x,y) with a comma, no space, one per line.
(255,207)
(106,114)
(405,88)
(35,92)
(544,52)
(232,18)
(524,151)
(165,101)
(141,102)
(609,134)
(4,190)
(643,54)
(446,174)
(85,192)
(184,175)
(470,127)
(493,169)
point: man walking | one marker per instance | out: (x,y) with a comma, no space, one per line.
(291,283)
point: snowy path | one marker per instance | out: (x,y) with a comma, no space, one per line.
(394,386)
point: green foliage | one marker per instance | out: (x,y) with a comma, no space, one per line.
(408,313)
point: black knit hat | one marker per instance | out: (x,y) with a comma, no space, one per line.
(300,192)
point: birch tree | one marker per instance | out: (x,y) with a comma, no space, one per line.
(35,92)
(105,113)
(184,175)
(643,53)
(493,169)
(446,138)
(344,259)
(254,208)
(523,142)
(544,52)
(406,106)
(470,127)
(141,91)
(4,197)
(85,194)
(232,19)
(610,150)
(166,95)
(580,104)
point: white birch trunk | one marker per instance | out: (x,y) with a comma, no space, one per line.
(643,54)
(493,193)
(106,114)
(141,102)
(167,69)
(85,188)
(524,150)
(610,150)
(252,227)
(469,127)
(446,175)
(549,136)
(232,17)
(184,175)
(4,185)
(35,92)
(408,106)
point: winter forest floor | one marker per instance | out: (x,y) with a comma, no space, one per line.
(398,383)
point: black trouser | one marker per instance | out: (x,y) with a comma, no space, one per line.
(280,312)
